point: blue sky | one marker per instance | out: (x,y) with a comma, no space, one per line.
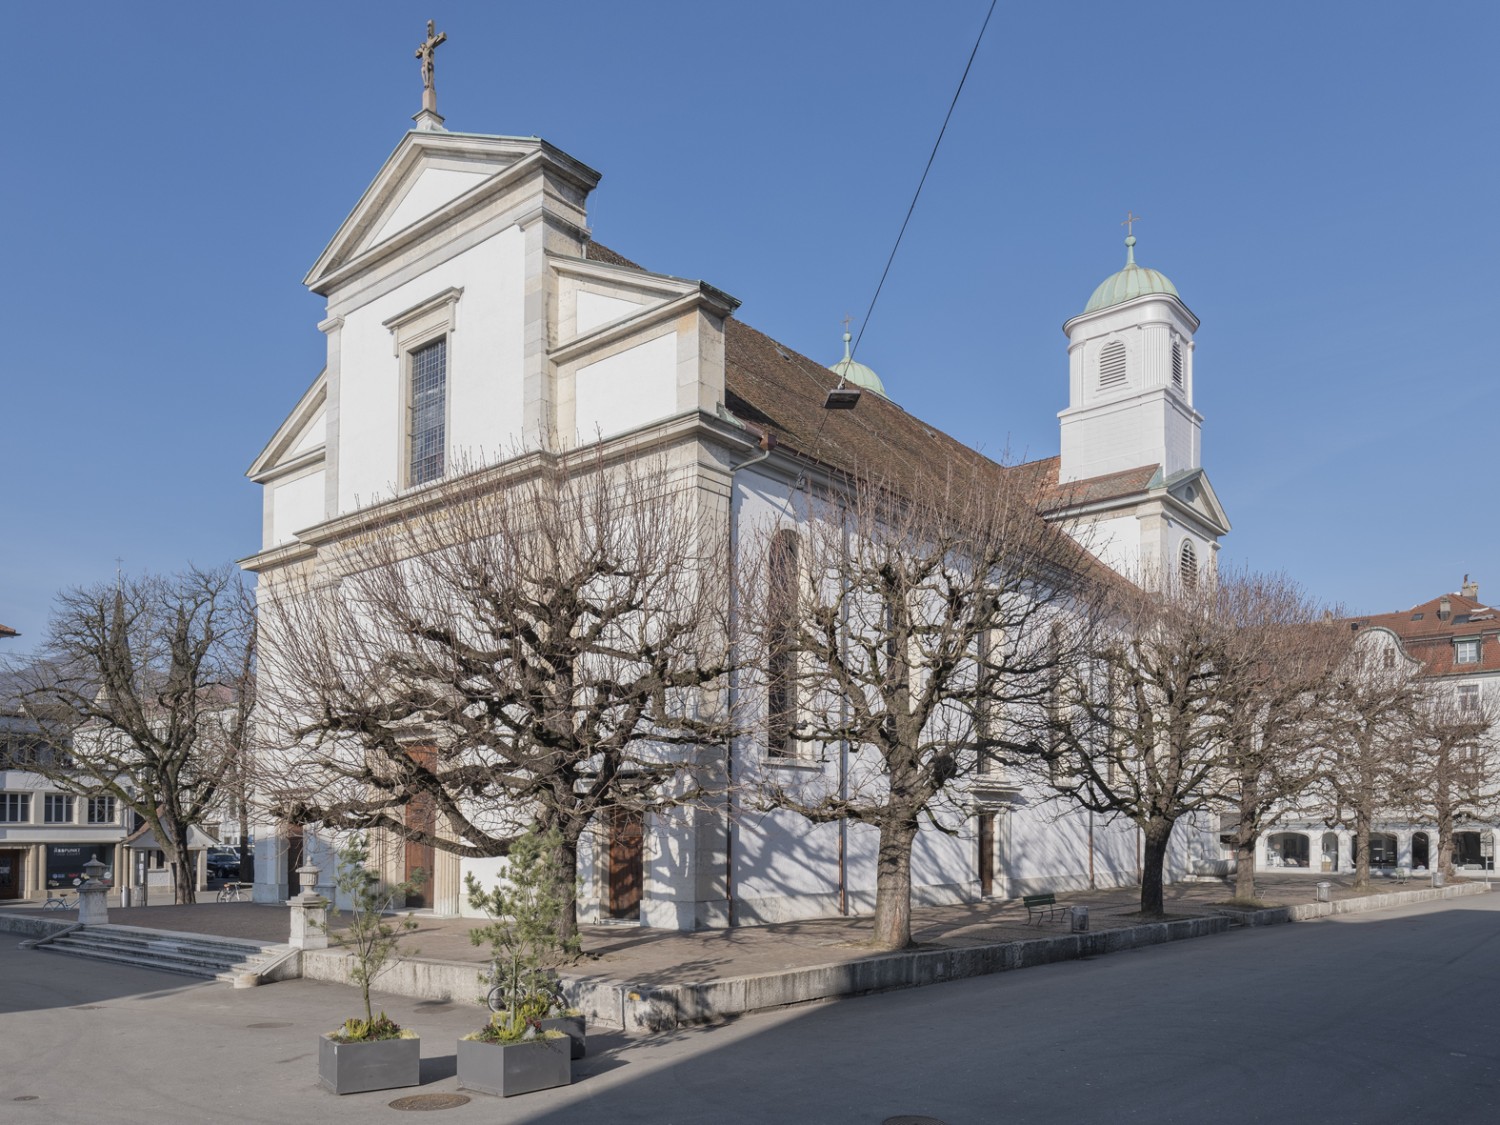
(1317,179)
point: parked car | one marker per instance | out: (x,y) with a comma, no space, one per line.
(223,864)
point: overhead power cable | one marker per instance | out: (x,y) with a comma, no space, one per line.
(920,183)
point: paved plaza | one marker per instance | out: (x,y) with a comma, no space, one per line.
(657,957)
(1389,1016)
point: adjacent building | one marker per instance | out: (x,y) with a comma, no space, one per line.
(1453,643)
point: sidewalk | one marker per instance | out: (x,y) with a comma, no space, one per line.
(641,978)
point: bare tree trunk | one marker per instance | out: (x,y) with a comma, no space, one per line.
(1444,838)
(567,886)
(1244,867)
(184,872)
(1158,834)
(1362,849)
(893,886)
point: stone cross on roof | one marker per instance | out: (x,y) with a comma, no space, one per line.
(429,118)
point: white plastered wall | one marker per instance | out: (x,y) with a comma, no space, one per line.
(296,502)
(485,370)
(629,389)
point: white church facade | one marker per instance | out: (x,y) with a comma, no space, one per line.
(471,317)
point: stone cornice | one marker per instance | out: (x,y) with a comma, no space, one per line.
(424,499)
(332,270)
(311,401)
(286,468)
(704,297)
(1134,302)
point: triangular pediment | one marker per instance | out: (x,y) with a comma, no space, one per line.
(301,438)
(430,177)
(1192,490)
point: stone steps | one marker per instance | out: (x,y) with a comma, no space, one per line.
(224,959)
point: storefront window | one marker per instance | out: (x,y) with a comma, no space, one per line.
(65,863)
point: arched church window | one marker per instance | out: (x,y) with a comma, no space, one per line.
(781,672)
(1112,366)
(1177,378)
(1188,565)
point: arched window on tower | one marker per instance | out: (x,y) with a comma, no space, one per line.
(1112,366)
(1187,562)
(1178,379)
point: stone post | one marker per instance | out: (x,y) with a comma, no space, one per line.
(92,908)
(309,912)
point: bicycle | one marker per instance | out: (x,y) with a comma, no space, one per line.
(232,892)
(61,901)
(511,988)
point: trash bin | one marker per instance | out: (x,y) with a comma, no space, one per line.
(1078,917)
(1437,877)
(1324,892)
(125,898)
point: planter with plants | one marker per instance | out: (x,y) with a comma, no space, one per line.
(532,1037)
(374,1053)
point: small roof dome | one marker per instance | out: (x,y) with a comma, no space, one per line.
(1131,282)
(852,371)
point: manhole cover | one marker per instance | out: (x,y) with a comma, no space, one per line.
(272,1023)
(911,1119)
(430,1101)
(87,1007)
(26,1098)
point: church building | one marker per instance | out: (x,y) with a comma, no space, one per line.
(471,313)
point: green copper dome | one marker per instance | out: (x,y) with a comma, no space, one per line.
(1131,282)
(851,371)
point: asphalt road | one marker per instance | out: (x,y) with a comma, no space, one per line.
(1386,1017)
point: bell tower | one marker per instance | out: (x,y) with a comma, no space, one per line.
(1130,378)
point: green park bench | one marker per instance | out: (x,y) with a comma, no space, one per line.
(1043,907)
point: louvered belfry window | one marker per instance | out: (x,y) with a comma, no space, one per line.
(1112,366)
(1188,562)
(1177,366)
(429,412)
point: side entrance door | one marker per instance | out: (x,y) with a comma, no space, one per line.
(986,854)
(627,866)
(12,864)
(421,814)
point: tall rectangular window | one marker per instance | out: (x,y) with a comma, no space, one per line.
(781,661)
(15,808)
(1468,697)
(57,808)
(101,810)
(428,423)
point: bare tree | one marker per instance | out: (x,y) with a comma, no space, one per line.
(144,676)
(1372,713)
(1185,700)
(1276,673)
(901,620)
(1448,770)
(536,647)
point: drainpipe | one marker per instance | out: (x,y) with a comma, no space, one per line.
(844,750)
(767,446)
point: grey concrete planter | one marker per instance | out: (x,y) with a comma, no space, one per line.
(385,1064)
(514,1068)
(573,1028)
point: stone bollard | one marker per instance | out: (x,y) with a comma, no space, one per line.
(309,912)
(93,909)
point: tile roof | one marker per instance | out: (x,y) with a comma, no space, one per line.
(1428,630)
(7,631)
(1094,490)
(770,386)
